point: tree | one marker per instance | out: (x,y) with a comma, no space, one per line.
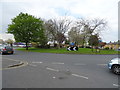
(56,29)
(26,28)
(50,30)
(93,41)
(91,27)
(75,35)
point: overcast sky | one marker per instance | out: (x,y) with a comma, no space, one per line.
(103,9)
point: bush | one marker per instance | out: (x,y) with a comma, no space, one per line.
(88,47)
(34,44)
(106,48)
(81,46)
(44,46)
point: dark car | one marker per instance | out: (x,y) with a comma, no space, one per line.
(5,49)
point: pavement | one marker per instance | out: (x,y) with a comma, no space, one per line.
(45,70)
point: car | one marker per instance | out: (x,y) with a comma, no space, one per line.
(114,65)
(23,46)
(5,49)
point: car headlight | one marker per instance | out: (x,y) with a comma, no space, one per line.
(110,61)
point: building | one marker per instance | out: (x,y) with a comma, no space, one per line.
(113,45)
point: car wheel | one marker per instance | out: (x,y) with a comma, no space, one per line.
(2,53)
(116,69)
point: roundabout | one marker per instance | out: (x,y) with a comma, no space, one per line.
(12,64)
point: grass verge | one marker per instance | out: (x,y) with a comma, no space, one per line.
(64,51)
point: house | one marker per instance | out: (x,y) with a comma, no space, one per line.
(113,45)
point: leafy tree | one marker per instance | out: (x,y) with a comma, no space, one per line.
(27,28)
(93,40)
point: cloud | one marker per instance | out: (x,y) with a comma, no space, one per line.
(103,9)
(6,36)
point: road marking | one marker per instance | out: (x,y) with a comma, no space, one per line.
(52,69)
(33,65)
(54,77)
(79,64)
(37,62)
(79,76)
(102,64)
(11,59)
(116,85)
(57,63)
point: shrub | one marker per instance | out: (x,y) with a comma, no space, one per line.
(106,48)
(44,46)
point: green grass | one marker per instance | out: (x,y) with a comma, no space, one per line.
(64,51)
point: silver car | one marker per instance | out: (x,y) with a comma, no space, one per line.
(5,49)
(114,65)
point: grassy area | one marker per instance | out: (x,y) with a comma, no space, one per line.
(64,51)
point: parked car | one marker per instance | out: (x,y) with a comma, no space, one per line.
(23,46)
(5,49)
(114,65)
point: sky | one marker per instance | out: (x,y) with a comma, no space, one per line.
(47,9)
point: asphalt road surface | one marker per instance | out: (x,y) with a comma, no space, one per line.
(45,70)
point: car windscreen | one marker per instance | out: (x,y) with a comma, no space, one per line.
(7,47)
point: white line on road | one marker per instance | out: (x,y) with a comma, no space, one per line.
(80,76)
(33,65)
(116,85)
(79,64)
(57,63)
(37,62)
(102,64)
(11,59)
(52,69)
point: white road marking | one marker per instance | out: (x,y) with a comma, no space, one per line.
(11,59)
(57,63)
(79,64)
(54,77)
(102,64)
(116,85)
(80,76)
(33,65)
(37,62)
(52,69)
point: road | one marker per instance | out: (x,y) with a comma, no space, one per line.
(45,70)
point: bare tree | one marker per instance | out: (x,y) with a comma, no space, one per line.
(56,29)
(91,27)
(75,35)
